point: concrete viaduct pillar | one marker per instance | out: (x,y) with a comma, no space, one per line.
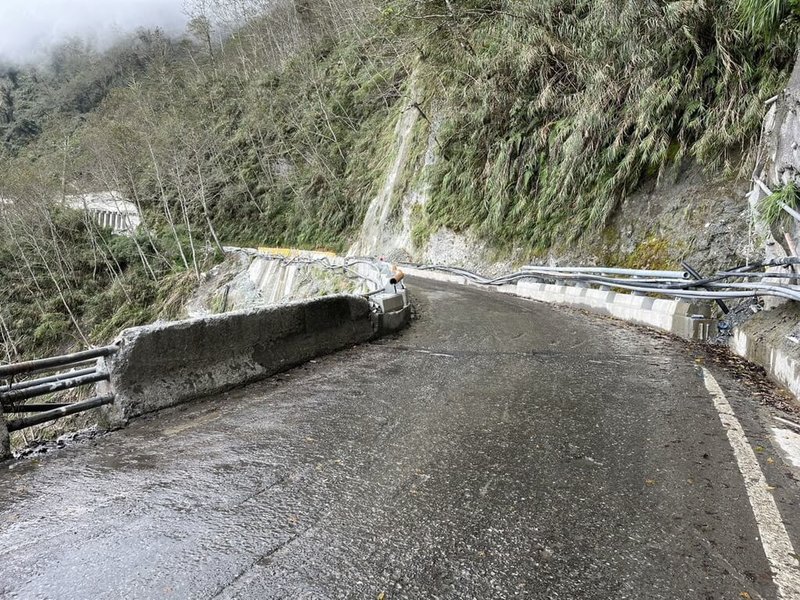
(117,221)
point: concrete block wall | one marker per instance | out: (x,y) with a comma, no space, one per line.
(165,364)
(769,339)
(162,365)
(687,319)
(781,367)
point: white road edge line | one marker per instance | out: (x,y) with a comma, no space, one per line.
(777,545)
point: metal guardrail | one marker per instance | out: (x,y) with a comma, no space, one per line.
(678,284)
(57,413)
(17,395)
(14,393)
(384,273)
(44,364)
(58,377)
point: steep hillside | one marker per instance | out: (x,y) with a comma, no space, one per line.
(478,131)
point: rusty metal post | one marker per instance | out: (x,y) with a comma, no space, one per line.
(32,408)
(44,364)
(57,413)
(696,276)
(49,388)
(5,441)
(58,377)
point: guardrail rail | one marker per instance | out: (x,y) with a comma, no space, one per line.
(686,284)
(66,372)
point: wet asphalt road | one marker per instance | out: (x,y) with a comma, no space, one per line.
(497,449)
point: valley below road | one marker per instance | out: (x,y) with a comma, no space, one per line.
(498,448)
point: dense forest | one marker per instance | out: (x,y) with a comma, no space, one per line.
(272,123)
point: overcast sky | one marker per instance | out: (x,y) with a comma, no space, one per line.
(29,27)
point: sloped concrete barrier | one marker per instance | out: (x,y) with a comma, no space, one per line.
(767,339)
(162,365)
(394,321)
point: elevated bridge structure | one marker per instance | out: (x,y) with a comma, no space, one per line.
(108,209)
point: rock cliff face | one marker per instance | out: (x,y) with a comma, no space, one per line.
(385,228)
(778,164)
(771,338)
(781,147)
(686,215)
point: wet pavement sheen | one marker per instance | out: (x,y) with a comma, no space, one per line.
(497,449)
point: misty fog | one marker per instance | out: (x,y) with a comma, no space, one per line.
(28,28)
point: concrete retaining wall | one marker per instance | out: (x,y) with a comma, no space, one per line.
(166,364)
(687,319)
(274,279)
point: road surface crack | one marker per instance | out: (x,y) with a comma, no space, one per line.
(264,559)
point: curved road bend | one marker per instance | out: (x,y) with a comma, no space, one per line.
(498,449)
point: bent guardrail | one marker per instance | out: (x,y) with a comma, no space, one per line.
(668,300)
(678,284)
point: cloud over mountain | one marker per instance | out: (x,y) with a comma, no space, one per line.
(29,27)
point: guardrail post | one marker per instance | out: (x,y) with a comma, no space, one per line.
(5,442)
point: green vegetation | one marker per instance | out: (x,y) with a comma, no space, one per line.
(421,227)
(551,113)
(652,253)
(764,18)
(563,108)
(65,282)
(771,207)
